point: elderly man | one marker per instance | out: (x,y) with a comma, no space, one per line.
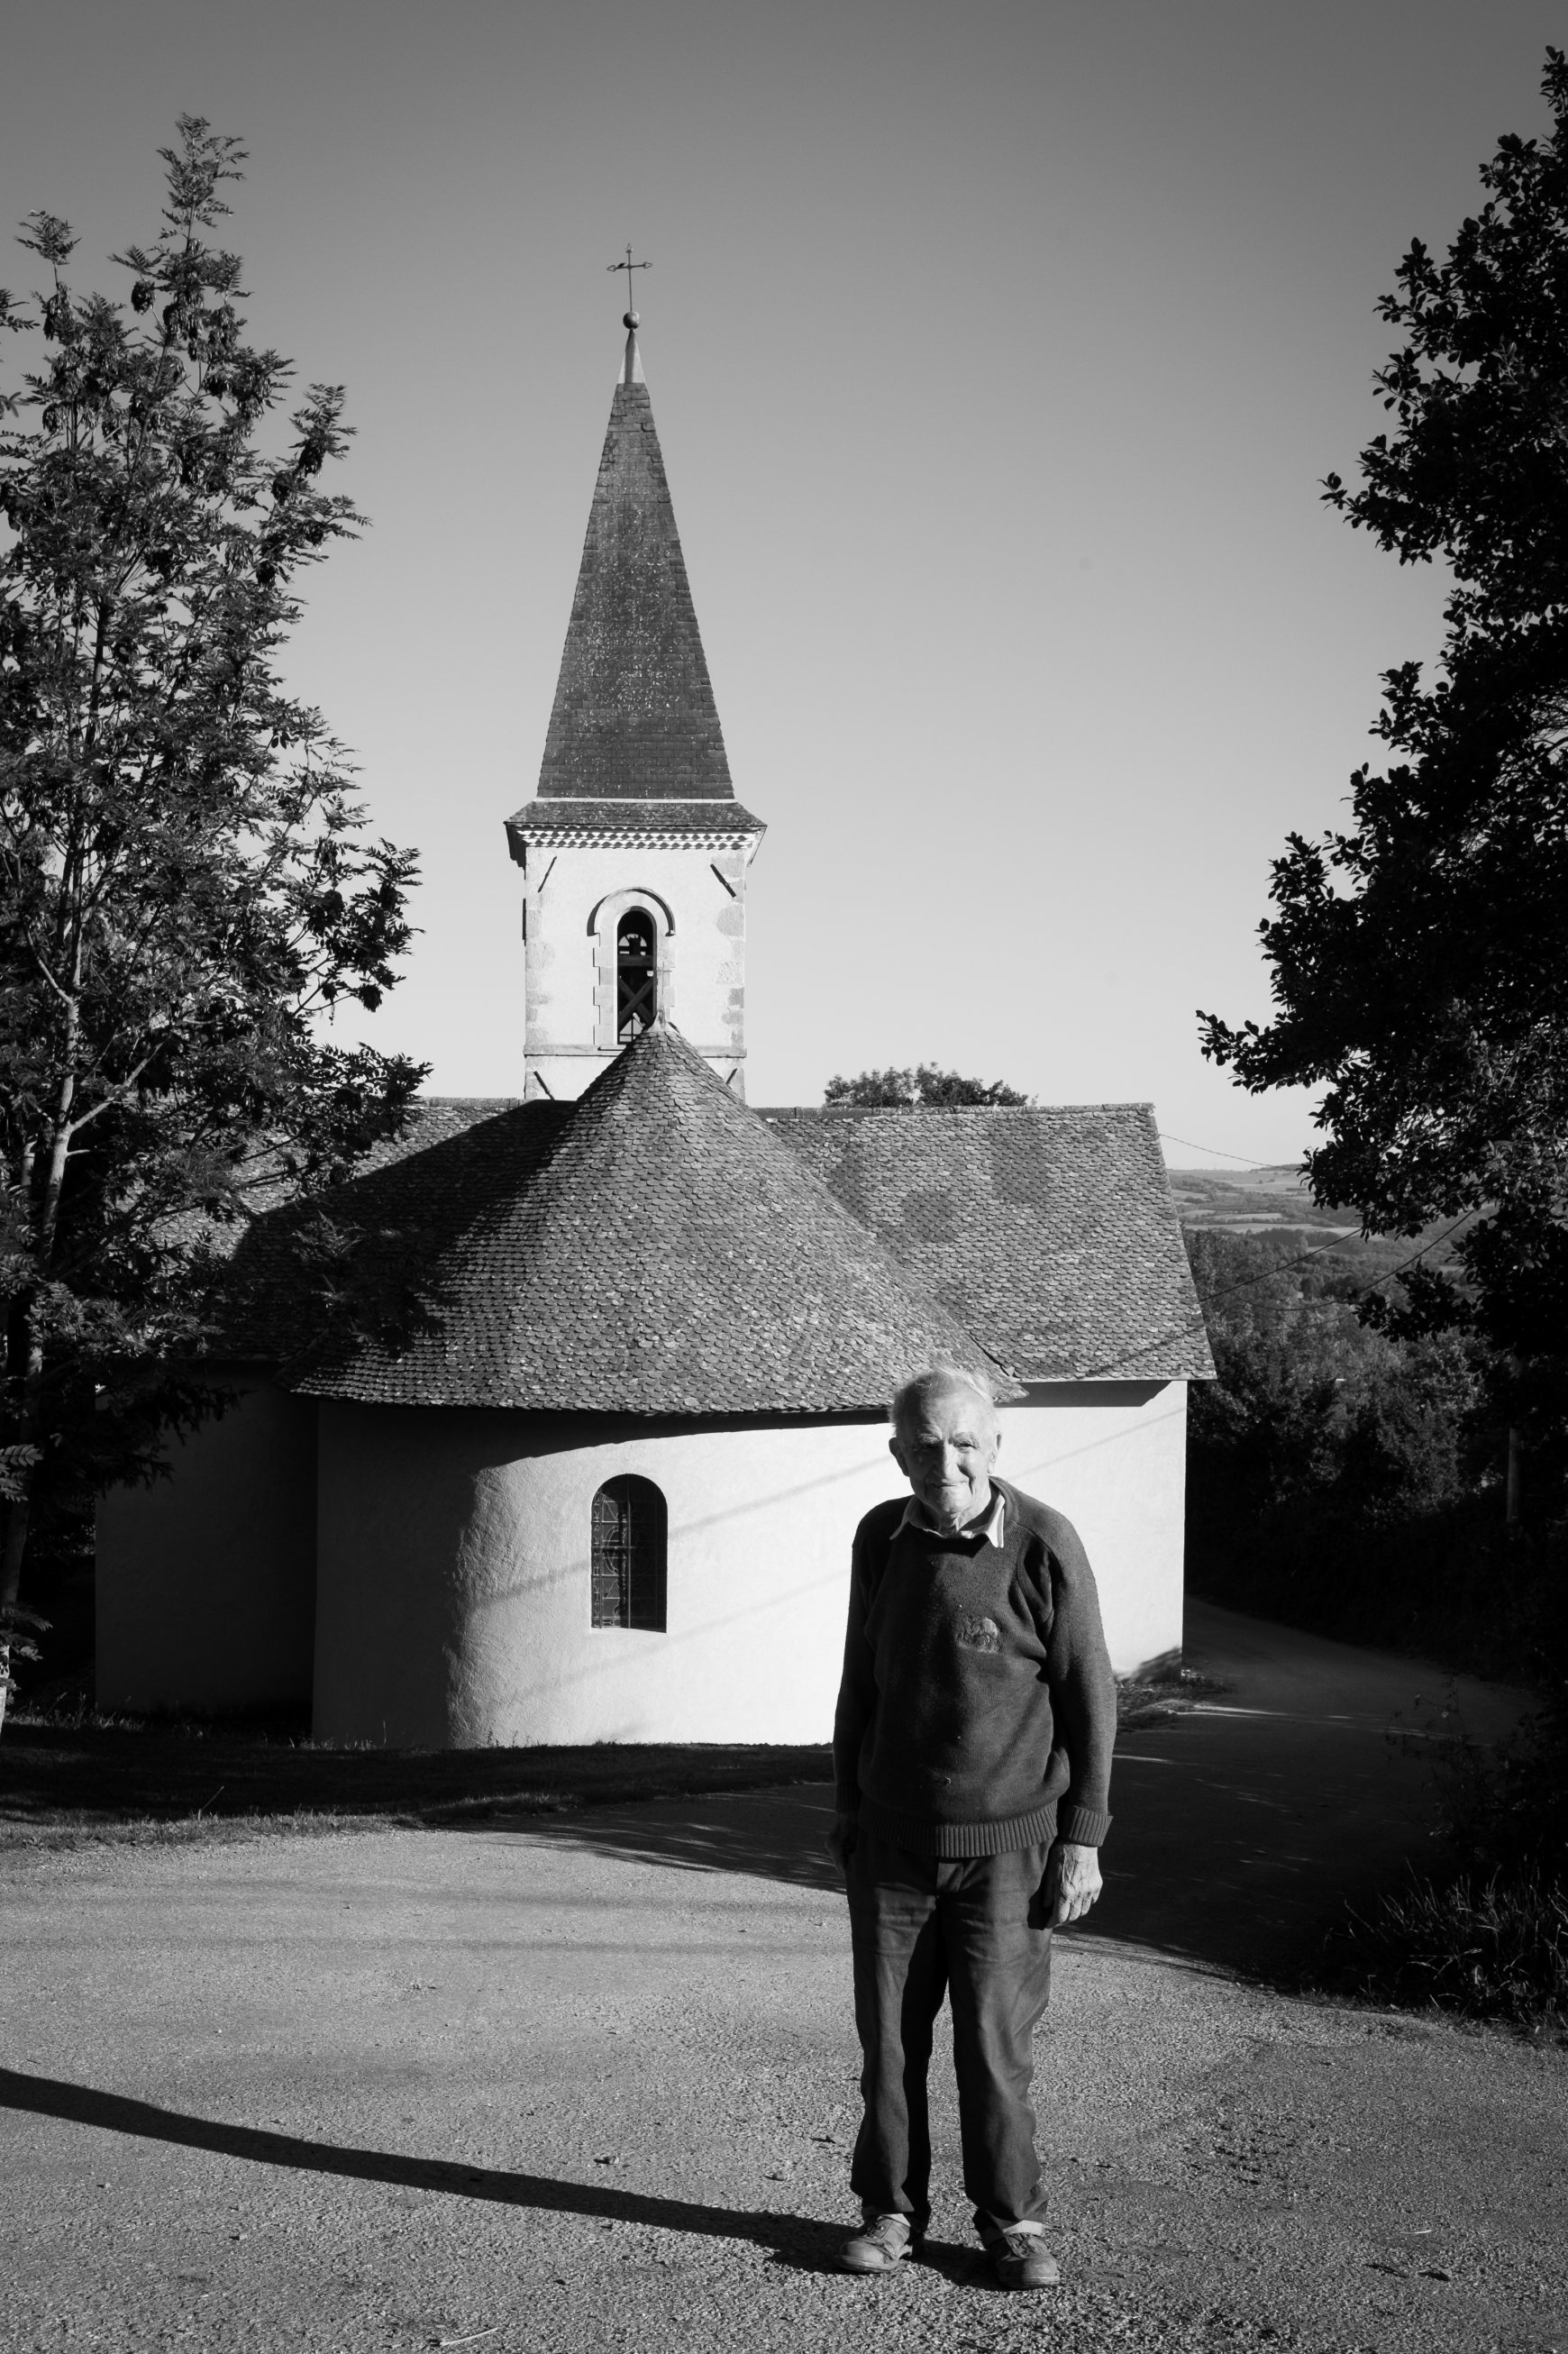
(972,1751)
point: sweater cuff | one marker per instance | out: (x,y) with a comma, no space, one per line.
(1083,1826)
(846,1802)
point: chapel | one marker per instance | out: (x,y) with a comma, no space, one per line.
(592,1475)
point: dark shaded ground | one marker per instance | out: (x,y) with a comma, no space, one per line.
(1244,1828)
(1244,1822)
(1242,1825)
(93,1777)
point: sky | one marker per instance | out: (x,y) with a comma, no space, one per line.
(998,352)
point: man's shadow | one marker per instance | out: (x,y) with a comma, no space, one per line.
(800,2242)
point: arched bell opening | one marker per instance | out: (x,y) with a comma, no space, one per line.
(636,974)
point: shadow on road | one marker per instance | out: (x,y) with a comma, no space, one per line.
(769,1834)
(795,2239)
(1242,1830)
(1213,1859)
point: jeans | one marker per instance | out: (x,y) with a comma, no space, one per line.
(974,1928)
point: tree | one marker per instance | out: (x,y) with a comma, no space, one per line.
(186,891)
(1421,957)
(1311,1408)
(908,1090)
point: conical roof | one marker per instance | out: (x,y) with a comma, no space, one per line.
(634,716)
(650,1249)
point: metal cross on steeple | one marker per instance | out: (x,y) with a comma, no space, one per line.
(629,266)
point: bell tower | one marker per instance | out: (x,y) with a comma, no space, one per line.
(634,850)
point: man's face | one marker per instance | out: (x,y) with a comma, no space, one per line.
(945,1452)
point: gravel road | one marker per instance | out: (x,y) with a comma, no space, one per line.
(592,2084)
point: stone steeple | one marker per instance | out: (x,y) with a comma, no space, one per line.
(635,848)
(634,718)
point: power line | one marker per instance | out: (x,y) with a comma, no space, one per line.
(1193,1146)
(1267,1274)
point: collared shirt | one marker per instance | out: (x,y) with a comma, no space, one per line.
(986,1528)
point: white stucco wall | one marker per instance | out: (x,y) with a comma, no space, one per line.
(205,1581)
(1113,1457)
(454,1563)
(574,895)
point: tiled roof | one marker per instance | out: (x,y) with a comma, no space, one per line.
(278,1275)
(433,1119)
(262,1188)
(1050,1233)
(652,1248)
(634,716)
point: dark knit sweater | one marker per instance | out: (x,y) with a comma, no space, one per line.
(978,1709)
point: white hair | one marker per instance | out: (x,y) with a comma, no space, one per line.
(938,1381)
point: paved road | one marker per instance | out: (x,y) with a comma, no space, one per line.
(592,2084)
(1302,1784)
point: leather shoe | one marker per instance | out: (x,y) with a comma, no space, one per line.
(881,2242)
(1021,2259)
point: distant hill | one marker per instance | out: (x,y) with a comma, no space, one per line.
(1275,1202)
(1254,1201)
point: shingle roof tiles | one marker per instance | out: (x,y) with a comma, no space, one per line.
(659,1248)
(653,1248)
(1051,1232)
(634,713)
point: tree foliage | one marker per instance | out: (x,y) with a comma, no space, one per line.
(925,1086)
(185,888)
(1351,1479)
(1420,957)
(1314,1412)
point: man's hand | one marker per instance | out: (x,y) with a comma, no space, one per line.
(1071,1881)
(841,1840)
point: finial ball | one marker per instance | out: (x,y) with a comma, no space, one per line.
(632,319)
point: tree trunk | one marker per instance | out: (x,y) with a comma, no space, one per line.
(18,1507)
(10,1588)
(27,1342)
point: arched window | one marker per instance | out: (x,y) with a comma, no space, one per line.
(630,1536)
(636,974)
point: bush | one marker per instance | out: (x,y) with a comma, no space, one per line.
(1491,1949)
(1488,1934)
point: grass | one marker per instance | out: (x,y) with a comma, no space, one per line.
(65,1784)
(1159,1699)
(1488,1949)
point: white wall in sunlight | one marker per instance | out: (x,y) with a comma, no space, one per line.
(453,1596)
